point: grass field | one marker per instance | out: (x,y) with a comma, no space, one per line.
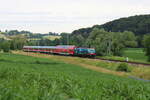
(51,37)
(46,37)
(32,78)
(134,54)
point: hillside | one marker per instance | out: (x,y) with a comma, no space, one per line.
(138,24)
(4,37)
(29,35)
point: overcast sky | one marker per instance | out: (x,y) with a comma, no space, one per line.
(65,15)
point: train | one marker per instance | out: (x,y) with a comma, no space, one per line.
(62,50)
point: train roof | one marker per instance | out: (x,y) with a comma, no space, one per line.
(66,46)
(52,47)
(39,47)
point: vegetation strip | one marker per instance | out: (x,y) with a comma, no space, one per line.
(129,62)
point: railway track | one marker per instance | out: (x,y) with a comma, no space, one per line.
(129,62)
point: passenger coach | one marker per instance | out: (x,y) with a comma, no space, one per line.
(62,50)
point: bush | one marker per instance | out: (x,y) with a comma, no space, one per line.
(146,42)
(5,46)
(37,62)
(123,67)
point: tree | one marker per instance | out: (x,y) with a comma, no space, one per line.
(118,44)
(65,39)
(18,42)
(146,42)
(31,43)
(106,43)
(13,32)
(77,40)
(44,42)
(139,40)
(129,39)
(55,42)
(101,40)
(5,46)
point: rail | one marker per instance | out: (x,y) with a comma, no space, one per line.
(129,62)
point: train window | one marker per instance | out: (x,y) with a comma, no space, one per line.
(91,50)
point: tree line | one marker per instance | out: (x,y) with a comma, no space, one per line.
(106,43)
(111,43)
(138,24)
(17,41)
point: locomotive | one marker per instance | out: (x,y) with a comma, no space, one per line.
(62,50)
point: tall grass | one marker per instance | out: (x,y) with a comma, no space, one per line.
(29,78)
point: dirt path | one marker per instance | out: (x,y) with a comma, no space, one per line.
(73,60)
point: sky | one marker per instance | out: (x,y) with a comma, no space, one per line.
(43,16)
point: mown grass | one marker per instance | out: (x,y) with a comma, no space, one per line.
(133,54)
(31,78)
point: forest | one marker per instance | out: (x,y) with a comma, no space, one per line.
(138,24)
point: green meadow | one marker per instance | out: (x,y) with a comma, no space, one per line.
(33,78)
(134,54)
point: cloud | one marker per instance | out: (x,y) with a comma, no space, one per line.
(65,15)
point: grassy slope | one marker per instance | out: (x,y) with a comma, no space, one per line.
(31,78)
(51,37)
(46,37)
(4,37)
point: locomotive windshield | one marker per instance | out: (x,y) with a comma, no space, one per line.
(91,50)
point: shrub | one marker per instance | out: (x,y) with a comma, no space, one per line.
(37,62)
(5,46)
(123,67)
(146,42)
